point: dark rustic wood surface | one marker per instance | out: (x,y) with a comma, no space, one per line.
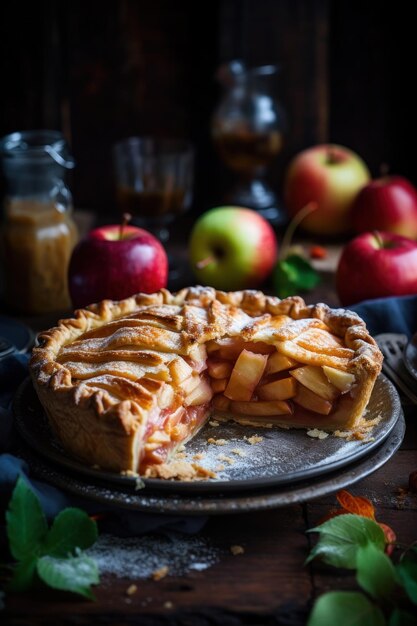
(268,584)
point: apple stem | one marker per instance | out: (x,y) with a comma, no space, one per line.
(378,239)
(295,222)
(126,217)
(331,155)
(204,262)
(384,169)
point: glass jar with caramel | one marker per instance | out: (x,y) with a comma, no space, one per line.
(38,232)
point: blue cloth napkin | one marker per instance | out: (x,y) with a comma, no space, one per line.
(13,370)
(389,315)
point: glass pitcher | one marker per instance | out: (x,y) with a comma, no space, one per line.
(38,233)
(248,129)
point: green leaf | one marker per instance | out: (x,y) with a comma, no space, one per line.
(407,575)
(293,274)
(402,618)
(345,608)
(23,575)
(71,529)
(74,574)
(26,522)
(375,571)
(341,536)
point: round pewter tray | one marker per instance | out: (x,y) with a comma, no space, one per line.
(148,501)
(282,456)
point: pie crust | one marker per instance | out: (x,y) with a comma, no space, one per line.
(125,383)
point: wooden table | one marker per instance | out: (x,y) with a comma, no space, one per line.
(267,584)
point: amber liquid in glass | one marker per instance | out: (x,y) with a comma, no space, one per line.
(246,151)
(152,204)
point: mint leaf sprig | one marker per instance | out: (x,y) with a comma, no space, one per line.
(356,542)
(52,555)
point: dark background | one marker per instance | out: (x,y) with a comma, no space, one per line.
(101,71)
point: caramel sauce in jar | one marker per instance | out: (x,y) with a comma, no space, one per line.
(38,233)
(38,238)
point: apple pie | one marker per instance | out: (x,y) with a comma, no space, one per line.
(125,383)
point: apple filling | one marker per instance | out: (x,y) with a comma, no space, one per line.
(244,380)
(255,380)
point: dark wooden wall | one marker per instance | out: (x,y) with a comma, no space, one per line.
(101,71)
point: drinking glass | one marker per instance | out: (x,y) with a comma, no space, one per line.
(154,179)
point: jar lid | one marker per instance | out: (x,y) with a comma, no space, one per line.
(37,145)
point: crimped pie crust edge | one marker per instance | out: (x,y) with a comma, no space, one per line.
(123,421)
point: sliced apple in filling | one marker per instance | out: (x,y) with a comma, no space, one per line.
(219,385)
(311,401)
(245,376)
(221,403)
(189,384)
(219,368)
(200,394)
(282,389)
(249,379)
(179,369)
(314,379)
(341,380)
(166,397)
(278,363)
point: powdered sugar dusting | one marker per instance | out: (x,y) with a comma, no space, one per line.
(141,557)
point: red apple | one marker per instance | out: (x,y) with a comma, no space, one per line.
(116,263)
(388,203)
(331,176)
(377,265)
(232,248)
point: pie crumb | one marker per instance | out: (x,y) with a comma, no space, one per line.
(226,459)
(180,455)
(160,573)
(198,456)
(181,448)
(180,470)
(220,467)
(235,550)
(317,433)
(129,473)
(203,472)
(214,423)
(361,432)
(131,590)
(254,439)
(168,604)
(238,452)
(217,442)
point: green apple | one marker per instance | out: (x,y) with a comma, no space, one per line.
(232,248)
(331,176)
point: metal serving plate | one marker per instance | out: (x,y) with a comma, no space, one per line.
(149,501)
(282,457)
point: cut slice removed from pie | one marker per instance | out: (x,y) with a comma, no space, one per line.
(125,383)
